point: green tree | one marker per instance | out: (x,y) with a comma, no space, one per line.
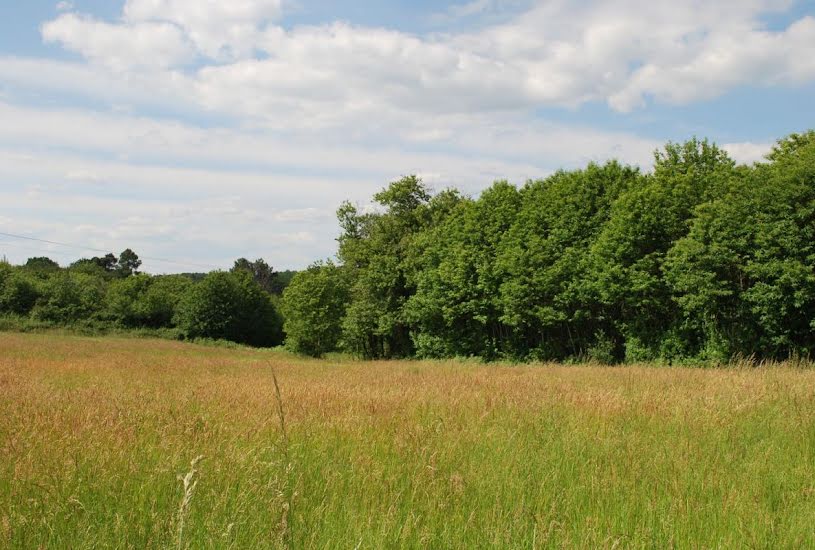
(145,301)
(545,293)
(786,149)
(91,266)
(261,272)
(68,297)
(645,222)
(313,307)
(18,290)
(160,302)
(128,263)
(745,274)
(377,248)
(108,262)
(41,265)
(229,306)
(282,280)
(456,308)
(125,298)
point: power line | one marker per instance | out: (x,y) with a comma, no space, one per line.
(49,251)
(79,247)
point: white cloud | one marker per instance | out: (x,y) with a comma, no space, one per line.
(194,216)
(486,147)
(165,33)
(747,152)
(302,215)
(33,78)
(623,51)
(217,193)
(84,176)
(725,61)
(556,53)
(120,47)
(219,29)
(620,52)
(64,6)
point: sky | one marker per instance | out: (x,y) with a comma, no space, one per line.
(201,131)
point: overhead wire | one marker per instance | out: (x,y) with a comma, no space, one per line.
(93,249)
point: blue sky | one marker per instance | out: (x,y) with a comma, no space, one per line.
(202,130)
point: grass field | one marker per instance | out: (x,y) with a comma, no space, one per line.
(97,437)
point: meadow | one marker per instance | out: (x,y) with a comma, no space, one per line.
(135,443)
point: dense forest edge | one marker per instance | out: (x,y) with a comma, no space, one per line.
(699,260)
(107,294)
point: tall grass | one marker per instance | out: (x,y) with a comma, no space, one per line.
(189,482)
(338,454)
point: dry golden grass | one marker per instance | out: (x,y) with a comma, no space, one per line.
(97,436)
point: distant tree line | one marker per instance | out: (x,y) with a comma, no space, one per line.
(240,305)
(700,259)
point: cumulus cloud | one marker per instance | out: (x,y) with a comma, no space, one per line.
(165,32)
(220,30)
(623,51)
(120,46)
(553,54)
(724,61)
(27,77)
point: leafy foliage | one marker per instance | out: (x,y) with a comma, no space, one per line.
(700,259)
(99,294)
(377,249)
(18,292)
(70,296)
(313,306)
(229,306)
(41,265)
(128,263)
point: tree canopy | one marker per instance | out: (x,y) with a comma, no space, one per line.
(109,292)
(698,259)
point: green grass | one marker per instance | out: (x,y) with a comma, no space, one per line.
(95,433)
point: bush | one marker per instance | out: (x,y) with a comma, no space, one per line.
(229,306)
(160,302)
(125,298)
(69,297)
(18,292)
(602,349)
(144,301)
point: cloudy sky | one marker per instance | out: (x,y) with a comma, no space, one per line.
(205,130)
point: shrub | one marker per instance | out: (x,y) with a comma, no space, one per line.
(18,292)
(229,306)
(125,298)
(69,297)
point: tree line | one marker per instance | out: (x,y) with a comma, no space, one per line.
(106,292)
(699,259)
